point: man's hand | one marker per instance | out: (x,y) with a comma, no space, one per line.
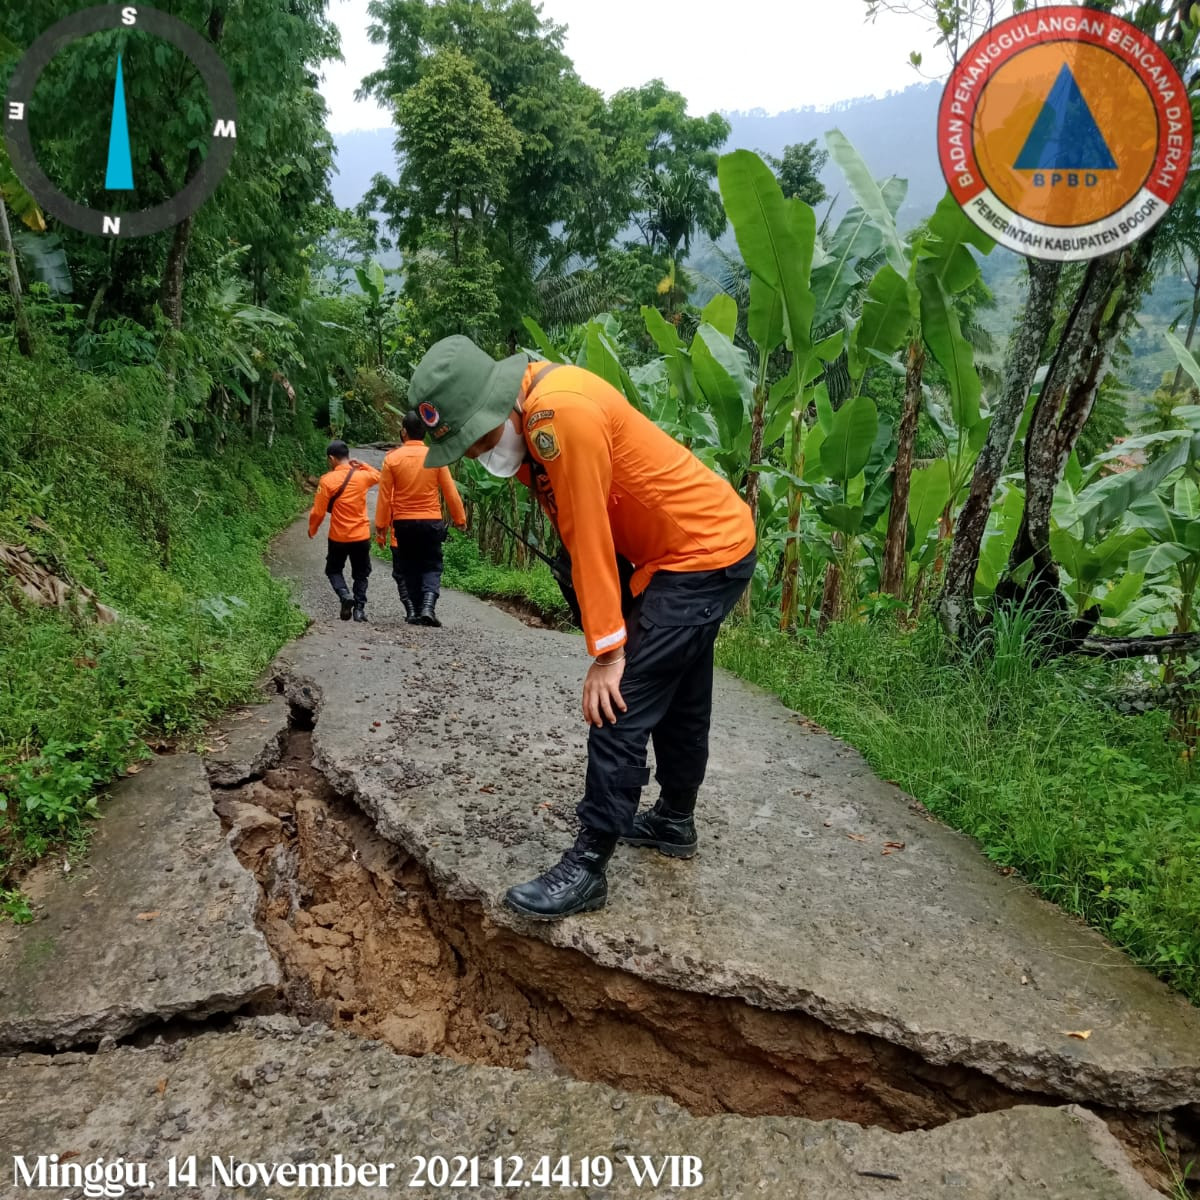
(461,526)
(381,536)
(356,462)
(602,689)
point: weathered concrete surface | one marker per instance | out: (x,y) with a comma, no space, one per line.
(159,922)
(466,745)
(270,1093)
(247,742)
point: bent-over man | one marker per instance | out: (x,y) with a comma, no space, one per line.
(612,483)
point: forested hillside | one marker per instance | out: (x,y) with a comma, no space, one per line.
(976,514)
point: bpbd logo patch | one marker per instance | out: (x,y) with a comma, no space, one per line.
(1065,133)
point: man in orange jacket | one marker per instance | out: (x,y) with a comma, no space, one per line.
(342,493)
(409,504)
(613,483)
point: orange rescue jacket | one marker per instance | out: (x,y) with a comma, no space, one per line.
(349,520)
(613,483)
(408,489)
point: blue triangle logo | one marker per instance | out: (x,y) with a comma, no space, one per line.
(1065,137)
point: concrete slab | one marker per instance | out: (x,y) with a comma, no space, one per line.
(157,923)
(466,745)
(247,743)
(269,1093)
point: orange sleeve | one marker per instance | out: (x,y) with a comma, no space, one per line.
(372,476)
(319,509)
(458,514)
(383,501)
(576,450)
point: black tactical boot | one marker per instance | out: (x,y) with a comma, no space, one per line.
(360,610)
(347,606)
(428,615)
(575,884)
(410,612)
(668,827)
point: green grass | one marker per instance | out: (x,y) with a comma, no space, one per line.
(167,533)
(1096,809)
(467,570)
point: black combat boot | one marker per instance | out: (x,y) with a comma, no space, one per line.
(575,884)
(668,827)
(428,615)
(410,612)
(360,610)
(347,606)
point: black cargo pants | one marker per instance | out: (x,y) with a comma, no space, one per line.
(359,554)
(667,689)
(417,556)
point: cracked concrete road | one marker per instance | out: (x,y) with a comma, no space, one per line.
(465,744)
(269,1092)
(157,922)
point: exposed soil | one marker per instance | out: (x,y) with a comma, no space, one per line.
(530,614)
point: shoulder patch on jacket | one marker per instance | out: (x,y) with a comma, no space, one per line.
(546,414)
(545,442)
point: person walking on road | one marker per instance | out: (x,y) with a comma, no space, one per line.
(409,502)
(342,493)
(612,483)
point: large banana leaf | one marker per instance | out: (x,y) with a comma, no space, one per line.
(947,246)
(776,239)
(765,319)
(1108,500)
(928,495)
(722,373)
(1187,360)
(721,313)
(851,437)
(943,336)
(547,348)
(885,321)
(870,196)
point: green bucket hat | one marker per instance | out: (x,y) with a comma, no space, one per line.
(460,393)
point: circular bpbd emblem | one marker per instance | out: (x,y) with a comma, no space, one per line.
(119,176)
(1065,133)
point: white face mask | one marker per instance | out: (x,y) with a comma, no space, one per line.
(504,459)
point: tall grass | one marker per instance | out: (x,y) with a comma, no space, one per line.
(167,532)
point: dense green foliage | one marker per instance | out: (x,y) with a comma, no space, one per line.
(172,540)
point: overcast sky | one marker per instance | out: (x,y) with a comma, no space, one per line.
(721,54)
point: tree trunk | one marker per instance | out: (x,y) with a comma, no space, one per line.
(24,337)
(789,602)
(171,295)
(956,605)
(757,424)
(1110,291)
(895,550)
(831,598)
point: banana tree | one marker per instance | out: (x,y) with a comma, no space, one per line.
(777,239)
(910,305)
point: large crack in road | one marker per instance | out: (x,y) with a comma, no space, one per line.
(366,943)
